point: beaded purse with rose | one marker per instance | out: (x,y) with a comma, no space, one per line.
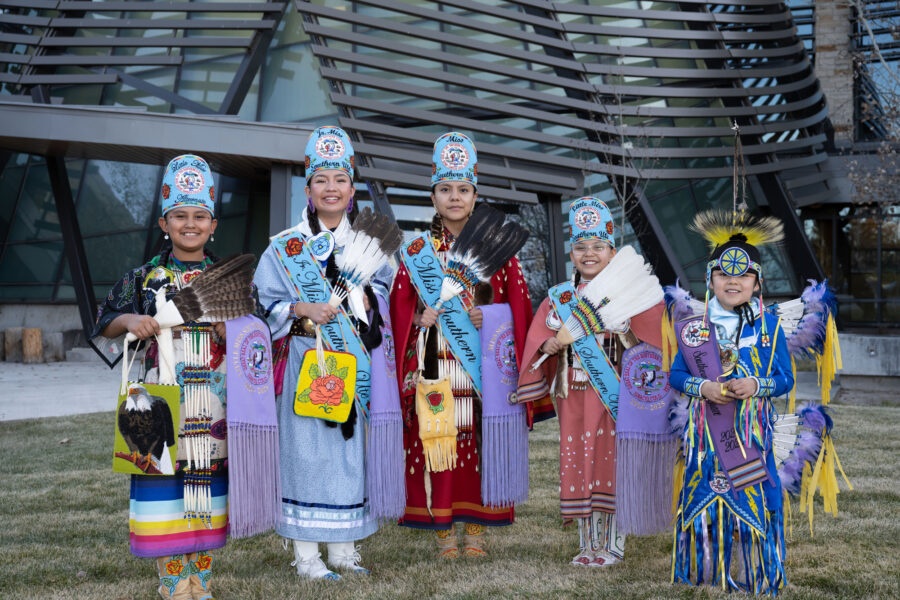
(327,384)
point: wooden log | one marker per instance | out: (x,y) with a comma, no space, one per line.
(13,344)
(32,345)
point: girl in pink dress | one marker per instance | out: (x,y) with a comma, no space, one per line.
(587,443)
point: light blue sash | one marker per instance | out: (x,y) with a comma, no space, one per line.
(427,274)
(310,285)
(601,374)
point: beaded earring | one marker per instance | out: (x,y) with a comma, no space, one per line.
(312,207)
(350,206)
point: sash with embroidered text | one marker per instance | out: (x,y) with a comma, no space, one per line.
(309,283)
(427,274)
(743,464)
(601,374)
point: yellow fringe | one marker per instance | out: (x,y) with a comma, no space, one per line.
(822,478)
(830,361)
(440,453)
(669,342)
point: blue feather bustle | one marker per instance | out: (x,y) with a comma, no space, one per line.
(819,302)
(816,424)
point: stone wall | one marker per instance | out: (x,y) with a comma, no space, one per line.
(834,66)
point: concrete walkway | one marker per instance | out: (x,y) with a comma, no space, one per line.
(56,389)
(69,388)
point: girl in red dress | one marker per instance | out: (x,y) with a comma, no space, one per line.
(437,500)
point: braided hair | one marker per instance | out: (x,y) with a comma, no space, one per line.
(369,334)
(437,227)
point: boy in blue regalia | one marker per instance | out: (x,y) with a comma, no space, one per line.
(731,502)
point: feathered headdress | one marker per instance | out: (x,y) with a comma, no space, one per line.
(735,238)
(719,227)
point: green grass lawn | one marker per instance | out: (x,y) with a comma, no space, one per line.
(64,533)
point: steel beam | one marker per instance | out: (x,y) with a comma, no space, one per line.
(249,67)
(279,198)
(72,242)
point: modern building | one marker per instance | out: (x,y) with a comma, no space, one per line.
(631,101)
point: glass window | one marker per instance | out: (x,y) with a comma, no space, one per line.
(31,263)
(36,216)
(124,95)
(292,88)
(88,95)
(232,202)
(14,293)
(207,82)
(290,30)
(230,234)
(674,211)
(10,182)
(250,107)
(117,196)
(111,256)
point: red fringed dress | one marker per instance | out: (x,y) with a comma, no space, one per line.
(455,493)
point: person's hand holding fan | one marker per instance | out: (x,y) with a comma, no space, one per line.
(626,287)
(220,293)
(375,239)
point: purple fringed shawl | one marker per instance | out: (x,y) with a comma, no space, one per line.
(253,474)
(385,481)
(645,447)
(504,430)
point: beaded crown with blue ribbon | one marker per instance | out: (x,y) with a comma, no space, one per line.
(188,181)
(329,147)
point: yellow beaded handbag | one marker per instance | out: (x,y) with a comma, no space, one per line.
(327,384)
(436,413)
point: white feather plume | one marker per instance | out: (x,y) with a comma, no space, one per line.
(625,288)
(373,240)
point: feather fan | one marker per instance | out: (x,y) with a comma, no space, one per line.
(626,287)
(374,239)
(485,244)
(220,293)
(718,226)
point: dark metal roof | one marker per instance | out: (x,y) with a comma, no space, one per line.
(232,147)
(579,88)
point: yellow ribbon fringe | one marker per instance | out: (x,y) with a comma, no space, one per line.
(822,478)
(669,343)
(829,362)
